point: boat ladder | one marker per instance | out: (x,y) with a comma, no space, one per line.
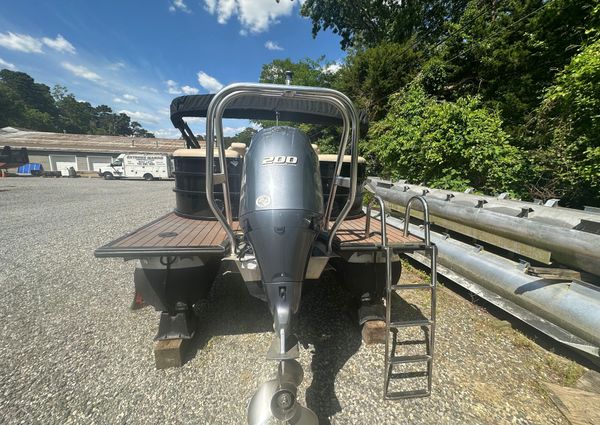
(393,325)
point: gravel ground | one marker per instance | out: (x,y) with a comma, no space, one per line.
(73,353)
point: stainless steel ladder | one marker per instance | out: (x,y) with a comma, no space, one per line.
(427,324)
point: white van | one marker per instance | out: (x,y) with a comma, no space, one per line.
(138,166)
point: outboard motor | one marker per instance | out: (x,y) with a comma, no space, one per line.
(281,209)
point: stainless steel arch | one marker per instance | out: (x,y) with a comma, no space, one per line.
(214,134)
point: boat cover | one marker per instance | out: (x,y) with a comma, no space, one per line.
(260,107)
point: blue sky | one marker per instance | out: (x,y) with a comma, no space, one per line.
(137,55)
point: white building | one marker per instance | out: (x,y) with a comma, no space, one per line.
(57,151)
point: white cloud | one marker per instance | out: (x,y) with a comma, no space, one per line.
(200,120)
(179,5)
(81,71)
(21,42)
(332,68)
(232,131)
(167,133)
(225,9)
(211,84)
(28,44)
(60,44)
(172,87)
(210,6)
(8,65)
(126,98)
(147,88)
(254,15)
(143,117)
(116,66)
(189,90)
(272,45)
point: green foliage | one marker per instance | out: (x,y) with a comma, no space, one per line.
(245,136)
(27,104)
(508,52)
(567,131)
(370,22)
(434,76)
(24,103)
(33,95)
(370,76)
(306,72)
(451,145)
(535,62)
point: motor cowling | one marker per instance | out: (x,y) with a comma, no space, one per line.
(281,208)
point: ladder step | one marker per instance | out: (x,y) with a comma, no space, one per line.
(398,395)
(408,375)
(410,323)
(412,342)
(410,359)
(412,286)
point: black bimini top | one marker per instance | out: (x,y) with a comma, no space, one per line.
(256,107)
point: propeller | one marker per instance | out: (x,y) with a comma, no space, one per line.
(277,399)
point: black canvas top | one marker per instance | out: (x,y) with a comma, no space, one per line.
(260,107)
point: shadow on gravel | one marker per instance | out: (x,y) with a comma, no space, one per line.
(327,321)
(231,310)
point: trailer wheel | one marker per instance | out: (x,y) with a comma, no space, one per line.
(108,176)
(148,177)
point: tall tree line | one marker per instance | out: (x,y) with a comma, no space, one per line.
(499,95)
(34,106)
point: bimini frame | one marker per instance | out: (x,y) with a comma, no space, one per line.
(214,134)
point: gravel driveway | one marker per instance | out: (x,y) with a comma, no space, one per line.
(72,352)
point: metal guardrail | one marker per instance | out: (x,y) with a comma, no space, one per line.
(568,246)
(568,310)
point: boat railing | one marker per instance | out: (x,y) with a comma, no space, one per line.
(214,137)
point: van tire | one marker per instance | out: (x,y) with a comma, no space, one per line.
(148,177)
(108,176)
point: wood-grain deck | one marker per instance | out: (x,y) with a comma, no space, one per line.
(351,234)
(170,235)
(176,235)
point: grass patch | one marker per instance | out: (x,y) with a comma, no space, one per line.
(521,341)
(567,371)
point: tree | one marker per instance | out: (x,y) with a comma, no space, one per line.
(245,136)
(75,116)
(306,72)
(450,145)
(508,52)
(567,130)
(34,95)
(59,92)
(12,108)
(138,131)
(366,23)
(370,76)
(27,104)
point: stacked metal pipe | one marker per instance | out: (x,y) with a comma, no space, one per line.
(566,309)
